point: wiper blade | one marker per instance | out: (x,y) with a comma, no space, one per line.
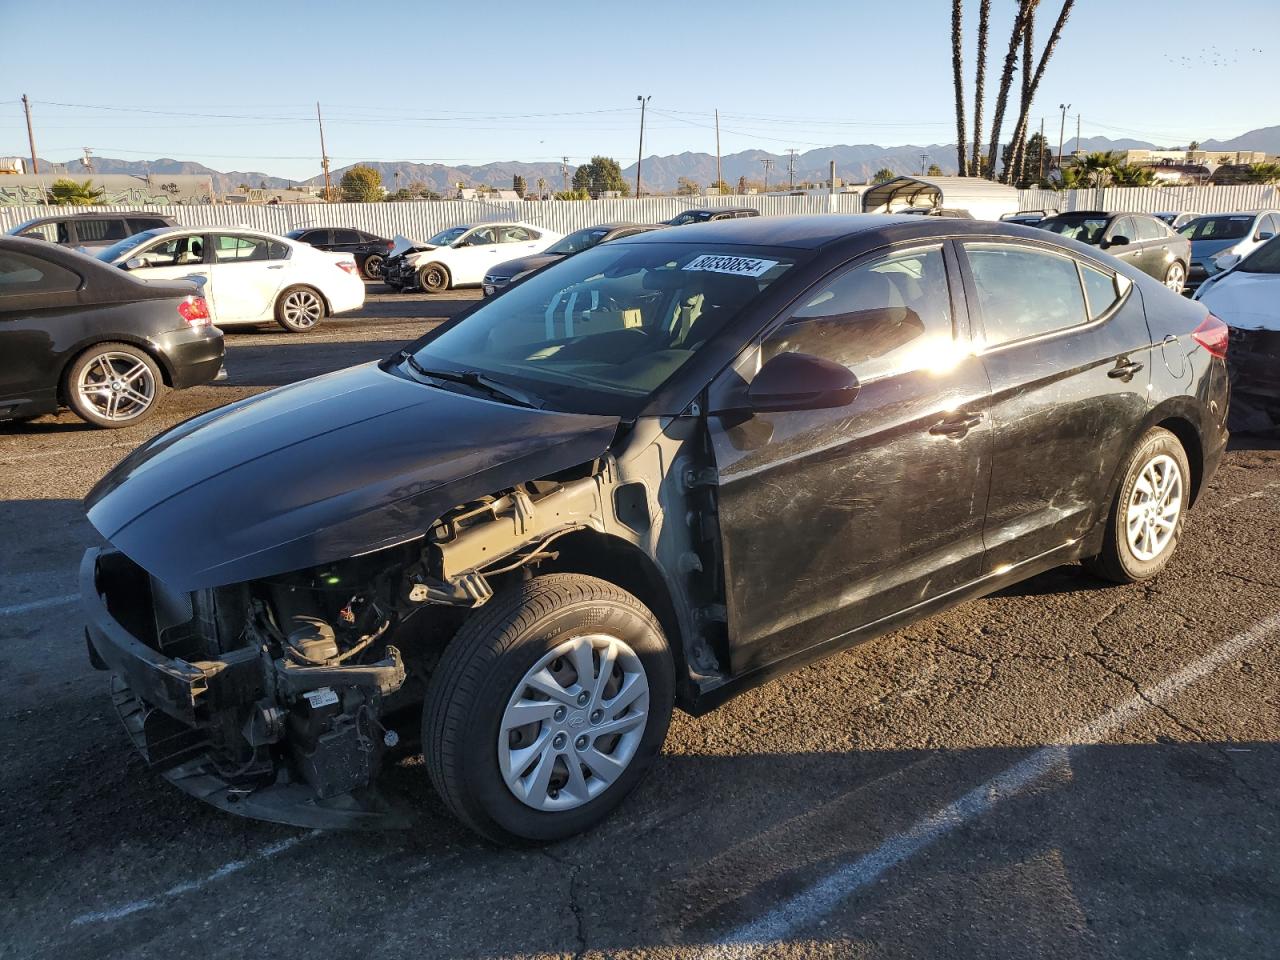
(477,381)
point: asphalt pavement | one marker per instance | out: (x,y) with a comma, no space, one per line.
(1065,769)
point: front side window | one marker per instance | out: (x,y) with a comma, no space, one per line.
(21,274)
(173,252)
(1024,293)
(889,316)
(482,236)
(232,248)
(54,232)
(139,224)
(1266,259)
(600,331)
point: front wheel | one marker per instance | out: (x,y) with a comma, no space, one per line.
(433,278)
(1147,513)
(299,309)
(547,708)
(1175,278)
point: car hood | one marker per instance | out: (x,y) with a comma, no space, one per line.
(1203,249)
(320,471)
(402,244)
(513,268)
(1246,301)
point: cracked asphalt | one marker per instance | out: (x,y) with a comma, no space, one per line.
(896,800)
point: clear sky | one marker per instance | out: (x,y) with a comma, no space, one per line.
(233,84)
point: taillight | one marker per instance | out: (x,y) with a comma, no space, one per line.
(1212,334)
(349,266)
(390,244)
(195,311)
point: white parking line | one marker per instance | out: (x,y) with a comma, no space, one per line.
(235,866)
(811,905)
(38,604)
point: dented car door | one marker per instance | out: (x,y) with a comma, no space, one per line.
(833,519)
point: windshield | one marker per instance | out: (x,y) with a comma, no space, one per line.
(690,216)
(1084,229)
(601,331)
(1266,259)
(445,237)
(118,249)
(578,241)
(1217,228)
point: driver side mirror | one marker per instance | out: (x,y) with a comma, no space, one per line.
(133,263)
(1119,240)
(800,381)
(1264,235)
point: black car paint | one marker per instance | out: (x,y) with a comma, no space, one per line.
(41,334)
(365,246)
(828,527)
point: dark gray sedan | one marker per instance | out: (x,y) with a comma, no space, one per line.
(501,275)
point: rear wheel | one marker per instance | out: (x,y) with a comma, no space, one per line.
(373,266)
(434,278)
(299,309)
(1175,277)
(1147,514)
(547,708)
(113,385)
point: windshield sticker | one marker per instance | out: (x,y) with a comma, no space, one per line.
(738,266)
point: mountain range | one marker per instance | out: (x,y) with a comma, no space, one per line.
(854,163)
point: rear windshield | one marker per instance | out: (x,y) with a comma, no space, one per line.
(1083,228)
(1266,259)
(1217,228)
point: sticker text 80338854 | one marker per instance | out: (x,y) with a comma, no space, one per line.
(723,263)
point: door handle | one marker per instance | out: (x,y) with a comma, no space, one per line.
(1125,369)
(275,266)
(956,426)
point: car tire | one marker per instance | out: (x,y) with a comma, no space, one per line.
(1175,277)
(299,309)
(113,385)
(433,278)
(372,266)
(474,744)
(1146,517)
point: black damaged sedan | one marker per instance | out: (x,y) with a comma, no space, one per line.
(651,476)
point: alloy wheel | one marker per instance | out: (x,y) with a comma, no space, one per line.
(373,267)
(1155,505)
(574,723)
(1175,277)
(118,386)
(303,308)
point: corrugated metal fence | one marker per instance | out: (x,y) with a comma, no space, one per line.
(422,219)
(1156,199)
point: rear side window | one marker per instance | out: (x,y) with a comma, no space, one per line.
(277,251)
(20,274)
(1024,293)
(1149,228)
(346,236)
(102,231)
(315,236)
(1100,291)
(516,235)
(889,316)
(238,249)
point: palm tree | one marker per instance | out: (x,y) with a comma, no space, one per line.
(957,12)
(1014,166)
(1006,80)
(1132,175)
(1096,168)
(74,193)
(984,19)
(1020,129)
(1263,173)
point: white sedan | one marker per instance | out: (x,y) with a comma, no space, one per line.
(461,255)
(249,276)
(1247,296)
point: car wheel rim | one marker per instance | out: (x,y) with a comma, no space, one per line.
(1154,507)
(116,386)
(302,308)
(574,723)
(1174,278)
(373,267)
(434,279)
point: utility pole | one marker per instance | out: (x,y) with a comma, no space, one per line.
(1040,159)
(564,173)
(1062,129)
(791,166)
(88,159)
(640,154)
(31,137)
(324,157)
(768,162)
(719,178)
(833,177)
(1077,132)
(923,159)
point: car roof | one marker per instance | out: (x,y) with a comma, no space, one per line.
(805,232)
